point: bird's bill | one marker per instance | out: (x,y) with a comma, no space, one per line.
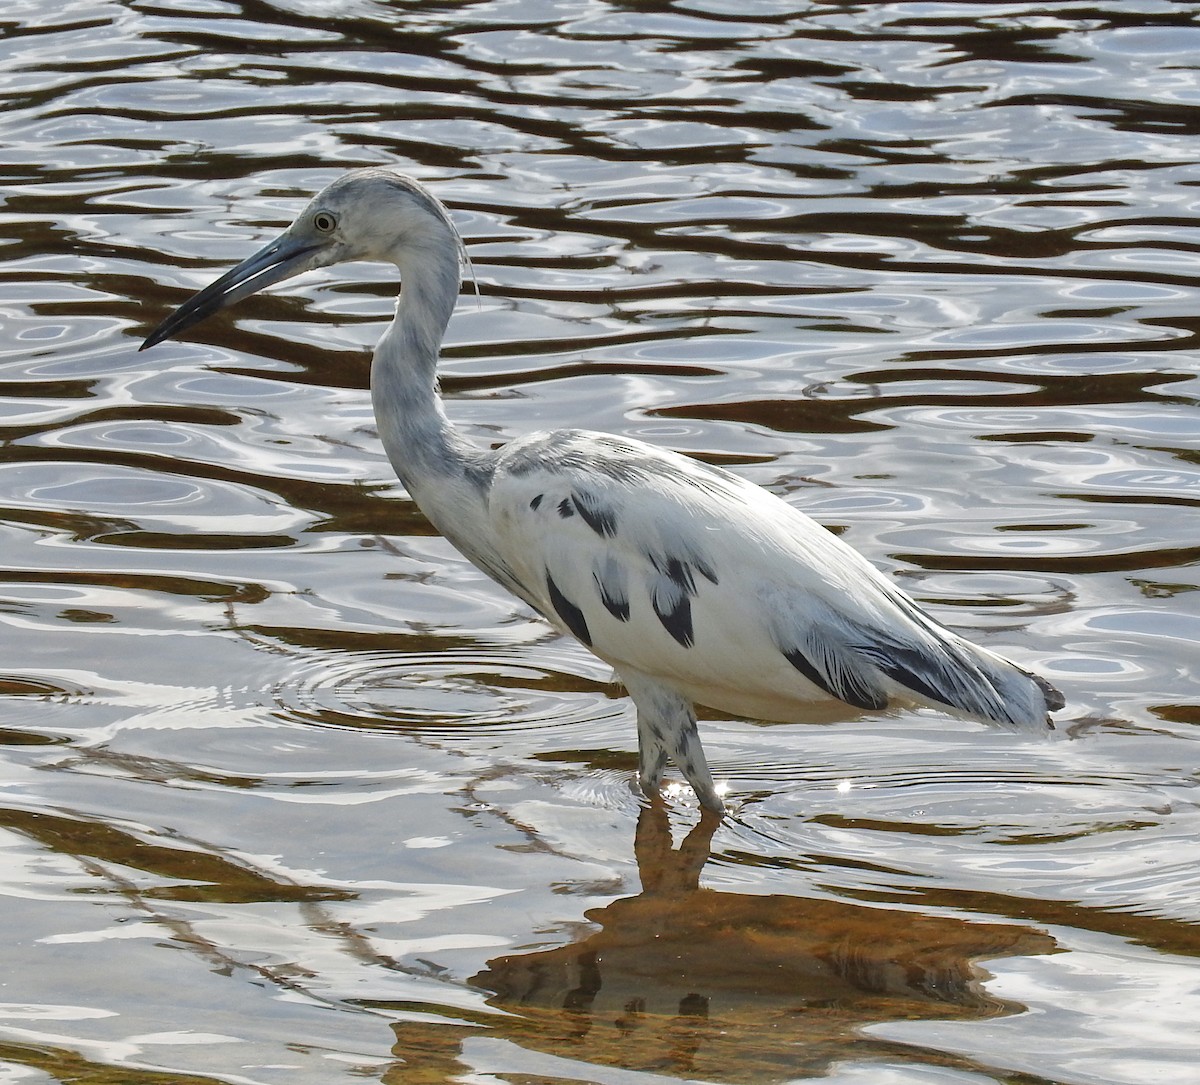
(279,260)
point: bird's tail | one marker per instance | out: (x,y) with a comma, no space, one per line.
(952,673)
(913,658)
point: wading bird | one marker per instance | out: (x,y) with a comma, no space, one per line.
(695,585)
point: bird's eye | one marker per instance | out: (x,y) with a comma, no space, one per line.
(324,222)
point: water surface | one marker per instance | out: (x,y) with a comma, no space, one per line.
(291,793)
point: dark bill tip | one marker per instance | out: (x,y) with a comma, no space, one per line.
(279,260)
(190,312)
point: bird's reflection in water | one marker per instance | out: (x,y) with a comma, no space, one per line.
(694,981)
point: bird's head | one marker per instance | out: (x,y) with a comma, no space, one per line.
(368,214)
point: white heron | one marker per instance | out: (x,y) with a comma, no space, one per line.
(695,585)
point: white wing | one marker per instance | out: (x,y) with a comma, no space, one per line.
(671,568)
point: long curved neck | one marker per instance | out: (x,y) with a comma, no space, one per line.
(424,448)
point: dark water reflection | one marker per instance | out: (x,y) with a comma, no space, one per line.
(291,793)
(742,986)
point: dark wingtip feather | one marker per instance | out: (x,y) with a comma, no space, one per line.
(844,683)
(1053,695)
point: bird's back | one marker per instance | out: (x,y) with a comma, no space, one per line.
(691,575)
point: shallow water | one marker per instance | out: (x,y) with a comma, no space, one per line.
(291,793)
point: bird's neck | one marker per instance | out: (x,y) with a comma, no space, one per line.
(427,452)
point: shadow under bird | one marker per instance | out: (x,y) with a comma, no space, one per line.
(694,584)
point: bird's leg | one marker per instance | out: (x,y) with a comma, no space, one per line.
(652,754)
(667,731)
(689,756)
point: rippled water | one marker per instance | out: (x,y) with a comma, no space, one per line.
(291,793)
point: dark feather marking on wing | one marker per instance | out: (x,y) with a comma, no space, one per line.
(671,596)
(1052,696)
(681,573)
(682,568)
(673,605)
(571,615)
(536,502)
(907,667)
(935,670)
(676,570)
(612,582)
(565,509)
(601,518)
(616,604)
(955,693)
(677,620)
(948,675)
(618,608)
(852,690)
